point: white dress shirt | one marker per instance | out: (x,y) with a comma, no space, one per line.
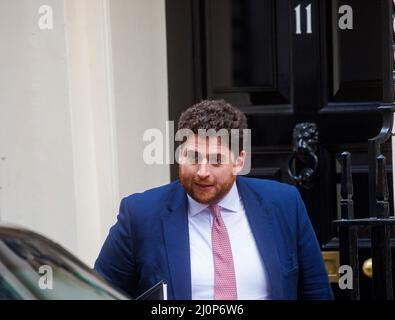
(251,277)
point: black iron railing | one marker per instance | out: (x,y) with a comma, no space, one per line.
(379,221)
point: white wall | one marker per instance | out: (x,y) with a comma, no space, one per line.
(138,32)
(37,186)
(74,103)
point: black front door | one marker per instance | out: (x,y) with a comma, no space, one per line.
(325,64)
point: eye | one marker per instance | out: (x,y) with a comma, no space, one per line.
(217,160)
(193,157)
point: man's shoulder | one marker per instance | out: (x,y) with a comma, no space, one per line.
(264,186)
(152,196)
(279,194)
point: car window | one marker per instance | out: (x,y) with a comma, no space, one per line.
(49,272)
(7,291)
(11,288)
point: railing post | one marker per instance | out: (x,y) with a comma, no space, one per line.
(348,235)
(381,238)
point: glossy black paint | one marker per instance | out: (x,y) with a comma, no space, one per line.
(334,78)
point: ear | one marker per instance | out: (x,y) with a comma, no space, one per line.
(238,165)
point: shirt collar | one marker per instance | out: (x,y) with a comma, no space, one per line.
(230,202)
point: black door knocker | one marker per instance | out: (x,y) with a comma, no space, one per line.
(304,160)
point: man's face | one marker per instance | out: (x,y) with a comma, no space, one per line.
(208,169)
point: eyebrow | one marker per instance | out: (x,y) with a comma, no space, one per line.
(210,154)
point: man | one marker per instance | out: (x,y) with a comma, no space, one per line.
(213,234)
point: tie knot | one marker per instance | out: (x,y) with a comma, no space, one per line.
(215,209)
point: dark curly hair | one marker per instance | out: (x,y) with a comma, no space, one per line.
(213,114)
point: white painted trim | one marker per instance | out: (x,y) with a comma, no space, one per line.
(82,132)
(105,118)
(93,132)
(111,110)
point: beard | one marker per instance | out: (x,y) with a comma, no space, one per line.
(206,191)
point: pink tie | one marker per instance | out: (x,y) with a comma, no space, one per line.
(224,271)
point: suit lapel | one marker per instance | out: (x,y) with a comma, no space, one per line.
(259,214)
(176,234)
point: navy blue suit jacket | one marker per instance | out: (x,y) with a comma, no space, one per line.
(150,241)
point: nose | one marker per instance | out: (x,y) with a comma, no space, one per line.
(203,171)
